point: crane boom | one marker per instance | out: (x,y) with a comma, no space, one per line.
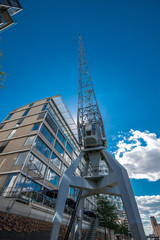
(88,110)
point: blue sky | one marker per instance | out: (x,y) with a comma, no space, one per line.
(121,40)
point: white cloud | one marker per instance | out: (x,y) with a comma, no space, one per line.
(139,153)
(149,206)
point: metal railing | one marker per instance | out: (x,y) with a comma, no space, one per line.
(29,196)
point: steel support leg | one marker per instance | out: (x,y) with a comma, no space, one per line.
(127,195)
(62,196)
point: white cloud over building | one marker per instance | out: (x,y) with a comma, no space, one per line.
(139,153)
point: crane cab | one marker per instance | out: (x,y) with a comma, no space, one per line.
(92,135)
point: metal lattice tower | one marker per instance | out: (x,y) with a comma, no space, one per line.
(88,110)
(115,182)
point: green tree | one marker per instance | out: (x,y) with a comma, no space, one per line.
(107,213)
(2,74)
(108,218)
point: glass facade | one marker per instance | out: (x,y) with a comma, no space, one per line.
(46,133)
(56,161)
(69,148)
(42,147)
(52,177)
(29,185)
(36,165)
(54,141)
(67,158)
(51,123)
(61,137)
(59,148)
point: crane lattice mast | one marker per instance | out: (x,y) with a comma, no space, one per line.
(93,180)
(88,110)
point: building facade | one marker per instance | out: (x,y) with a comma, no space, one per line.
(156,226)
(37,144)
(8,8)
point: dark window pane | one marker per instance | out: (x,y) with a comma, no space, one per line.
(36,126)
(8,184)
(56,161)
(41,115)
(20,159)
(42,147)
(19,122)
(2,125)
(48,99)
(69,148)
(36,165)
(26,112)
(10,115)
(3,145)
(30,105)
(59,148)
(51,123)
(52,177)
(46,133)
(61,137)
(44,107)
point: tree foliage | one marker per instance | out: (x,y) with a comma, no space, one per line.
(107,214)
(2,74)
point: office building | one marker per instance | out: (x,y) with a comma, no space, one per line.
(155,226)
(8,8)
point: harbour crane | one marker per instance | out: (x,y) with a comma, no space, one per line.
(93,181)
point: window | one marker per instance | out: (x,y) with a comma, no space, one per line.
(20,159)
(46,133)
(29,141)
(35,126)
(26,112)
(52,177)
(61,137)
(73,192)
(30,105)
(42,147)
(67,158)
(58,148)
(2,125)
(12,133)
(51,123)
(78,172)
(28,186)
(41,115)
(3,145)
(19,122)
(10,115)
(44,107)
(8,184)
(36,165)
(64,168)
(69,148)
(56,161)
(48,99)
